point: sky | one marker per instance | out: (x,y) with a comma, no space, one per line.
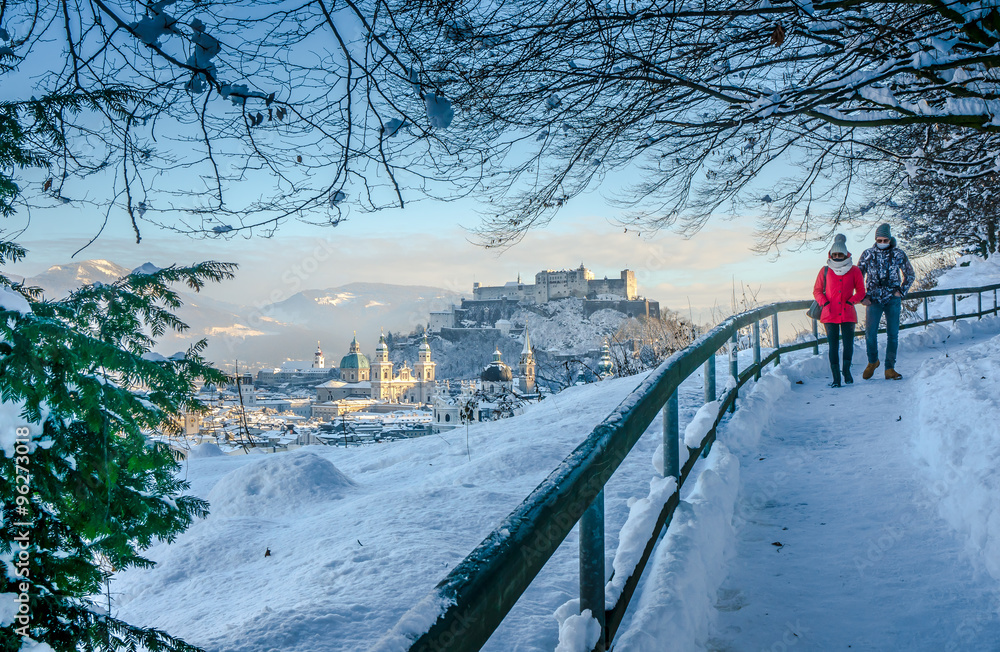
(429,244)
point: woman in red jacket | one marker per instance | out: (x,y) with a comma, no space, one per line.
(838,287)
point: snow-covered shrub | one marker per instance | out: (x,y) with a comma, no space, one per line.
(84,492)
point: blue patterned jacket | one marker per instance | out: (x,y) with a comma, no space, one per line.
(882,268)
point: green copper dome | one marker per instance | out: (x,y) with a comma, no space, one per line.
(355,359)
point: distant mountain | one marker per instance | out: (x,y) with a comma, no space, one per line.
(288,329)
(59,280)
(370,306)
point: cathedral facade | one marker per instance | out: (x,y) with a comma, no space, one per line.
(378,380)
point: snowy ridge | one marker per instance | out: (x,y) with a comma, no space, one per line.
(566,331)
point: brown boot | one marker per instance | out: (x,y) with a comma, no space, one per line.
(870,370)
(890,374)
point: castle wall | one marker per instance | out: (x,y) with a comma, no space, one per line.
(458,334)
(552,285)
(639,308)
(487,312)
(440,319)
(512,291)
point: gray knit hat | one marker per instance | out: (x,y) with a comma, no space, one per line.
(883,231)
(840,245)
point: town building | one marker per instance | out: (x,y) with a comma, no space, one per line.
(492,396)
(526,367)
(295,371)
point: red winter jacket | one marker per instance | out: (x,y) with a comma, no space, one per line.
(842,292)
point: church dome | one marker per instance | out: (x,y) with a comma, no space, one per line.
(496,371)
(355,359)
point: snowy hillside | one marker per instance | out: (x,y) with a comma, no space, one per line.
(560,327)
(357,536)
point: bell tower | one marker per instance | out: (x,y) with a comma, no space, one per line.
(423,370)
(526,367)
(381,370)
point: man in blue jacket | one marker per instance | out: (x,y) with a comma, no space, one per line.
(888,275)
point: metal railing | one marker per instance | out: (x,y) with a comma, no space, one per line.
(477,594)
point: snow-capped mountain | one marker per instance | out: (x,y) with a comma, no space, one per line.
(58,280)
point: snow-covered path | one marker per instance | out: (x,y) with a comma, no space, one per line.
(840,544)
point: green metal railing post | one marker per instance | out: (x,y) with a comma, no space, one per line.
(709,373)
(592,578)
(671,438)
(925,313)
(734,369)
(979,305)
(775,342)
(994,303)
(954,306)
(756,350)
(815,337)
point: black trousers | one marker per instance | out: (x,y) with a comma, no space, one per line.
(835,333)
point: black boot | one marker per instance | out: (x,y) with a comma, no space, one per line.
(848,378)
(836,375)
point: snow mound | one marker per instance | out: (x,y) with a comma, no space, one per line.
(204,450)
(956,446)
(277,484)
(689,565)
(578,632)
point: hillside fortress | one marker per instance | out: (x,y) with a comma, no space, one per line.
(494,304)
(551,285)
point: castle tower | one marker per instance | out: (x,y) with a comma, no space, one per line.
(319,362)
(526,367)
(381,371)
(424,372)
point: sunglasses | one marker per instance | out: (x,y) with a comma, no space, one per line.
(882,240)
(838,256)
